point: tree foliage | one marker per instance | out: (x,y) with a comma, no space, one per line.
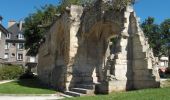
(37,24)
(121,4)
(165,30)
(158,35)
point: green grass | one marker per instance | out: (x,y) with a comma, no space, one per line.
(27,86)
(146,94)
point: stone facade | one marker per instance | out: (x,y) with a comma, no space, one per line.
(3,33)
(2,44)
(79,50)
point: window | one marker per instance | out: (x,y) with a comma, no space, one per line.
(20,56)
(20,46)
(20,36)
(6,56)
(8,36)
(7,45)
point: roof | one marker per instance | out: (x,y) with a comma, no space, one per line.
(15,30)
(1,17)
(3,29)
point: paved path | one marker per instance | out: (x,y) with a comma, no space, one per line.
(31,97)
(6,81)
(28,97)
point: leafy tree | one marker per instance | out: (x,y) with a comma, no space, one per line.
(36,25)
(158,35)
(121,4)
(165,30)
(152,32)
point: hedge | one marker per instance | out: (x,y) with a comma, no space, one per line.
(8,72)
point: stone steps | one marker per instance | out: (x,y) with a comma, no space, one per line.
(81,90)
(74,94)
(65,95)
(86,86)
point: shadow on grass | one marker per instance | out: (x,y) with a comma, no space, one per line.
(33,83)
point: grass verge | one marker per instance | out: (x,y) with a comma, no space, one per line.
(145,94)
(26,86)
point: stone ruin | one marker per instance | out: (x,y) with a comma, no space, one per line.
(80,57)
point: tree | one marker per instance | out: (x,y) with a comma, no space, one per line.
(152,32)
(165,30)
(158,35)
(36,25)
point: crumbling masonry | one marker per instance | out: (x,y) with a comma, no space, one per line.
(79,56)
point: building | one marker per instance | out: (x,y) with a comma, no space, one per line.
(163,62)
(15,52)
(3,34)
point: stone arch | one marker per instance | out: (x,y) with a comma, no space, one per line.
(92,52)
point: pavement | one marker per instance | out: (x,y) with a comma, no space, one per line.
(57,96)
(6,81)
(29,97)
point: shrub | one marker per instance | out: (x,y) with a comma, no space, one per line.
(27,75)
(8,72)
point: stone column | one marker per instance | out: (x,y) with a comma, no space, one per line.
(121,71)
(76,13)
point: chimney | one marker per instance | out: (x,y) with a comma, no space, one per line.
(20,25)
(1,19)
(11,23)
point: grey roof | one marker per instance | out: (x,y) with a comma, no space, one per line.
(3,29)
(14,30)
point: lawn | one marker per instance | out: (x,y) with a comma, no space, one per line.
(26,86)
(146,94)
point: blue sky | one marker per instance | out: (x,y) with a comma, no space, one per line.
(19,9)
(160,9)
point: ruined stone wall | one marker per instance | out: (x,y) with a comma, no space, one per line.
(53,54)
(133,66)
(145,65)
(93,38)
(78,50)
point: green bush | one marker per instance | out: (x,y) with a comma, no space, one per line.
(8,72)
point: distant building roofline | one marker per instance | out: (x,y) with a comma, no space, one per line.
(1,17)
(12,21)
(4,29)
